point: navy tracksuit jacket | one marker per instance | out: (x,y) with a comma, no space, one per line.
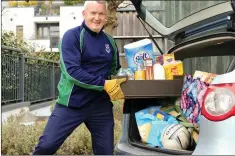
(81,92)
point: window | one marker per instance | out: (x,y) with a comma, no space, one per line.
(45,31)
(54,41)
(19,31)
(49,31)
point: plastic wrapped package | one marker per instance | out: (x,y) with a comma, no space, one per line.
(191,98)
(151,123)
(137,51)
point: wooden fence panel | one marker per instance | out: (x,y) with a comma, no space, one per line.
(215,64)
(129,25)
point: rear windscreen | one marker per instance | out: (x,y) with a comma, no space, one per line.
(172,11)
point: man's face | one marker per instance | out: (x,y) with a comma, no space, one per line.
(95,16)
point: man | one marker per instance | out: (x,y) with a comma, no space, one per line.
(88,57)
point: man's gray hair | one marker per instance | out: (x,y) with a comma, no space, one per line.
(87,2)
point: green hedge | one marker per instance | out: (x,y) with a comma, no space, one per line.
(21,140)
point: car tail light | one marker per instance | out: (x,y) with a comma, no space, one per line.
(219,102)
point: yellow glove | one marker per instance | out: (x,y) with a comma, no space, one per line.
(112,87)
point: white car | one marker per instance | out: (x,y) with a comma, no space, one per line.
(204,33)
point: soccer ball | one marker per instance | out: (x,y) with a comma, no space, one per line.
(175,136)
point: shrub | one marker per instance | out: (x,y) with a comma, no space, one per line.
(10,39)
(21,140)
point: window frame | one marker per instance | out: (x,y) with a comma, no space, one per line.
(48,26)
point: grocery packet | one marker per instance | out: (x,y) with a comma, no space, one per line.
(137,51)
(171,66)
(194,88)
(151,123)
(204,76)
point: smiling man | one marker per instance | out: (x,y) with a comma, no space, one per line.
(88,57)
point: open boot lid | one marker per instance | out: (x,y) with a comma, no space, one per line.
(210,16)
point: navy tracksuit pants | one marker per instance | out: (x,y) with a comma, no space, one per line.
(98,118)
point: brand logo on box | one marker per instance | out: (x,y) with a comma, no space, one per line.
(141,55)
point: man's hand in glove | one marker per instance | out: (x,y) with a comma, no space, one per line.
(112,87)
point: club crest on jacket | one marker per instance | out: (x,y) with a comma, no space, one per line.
(107,48)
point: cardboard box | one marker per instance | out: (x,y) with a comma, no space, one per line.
(134,89)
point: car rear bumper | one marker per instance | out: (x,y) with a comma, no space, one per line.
(128,149)
(216,138)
